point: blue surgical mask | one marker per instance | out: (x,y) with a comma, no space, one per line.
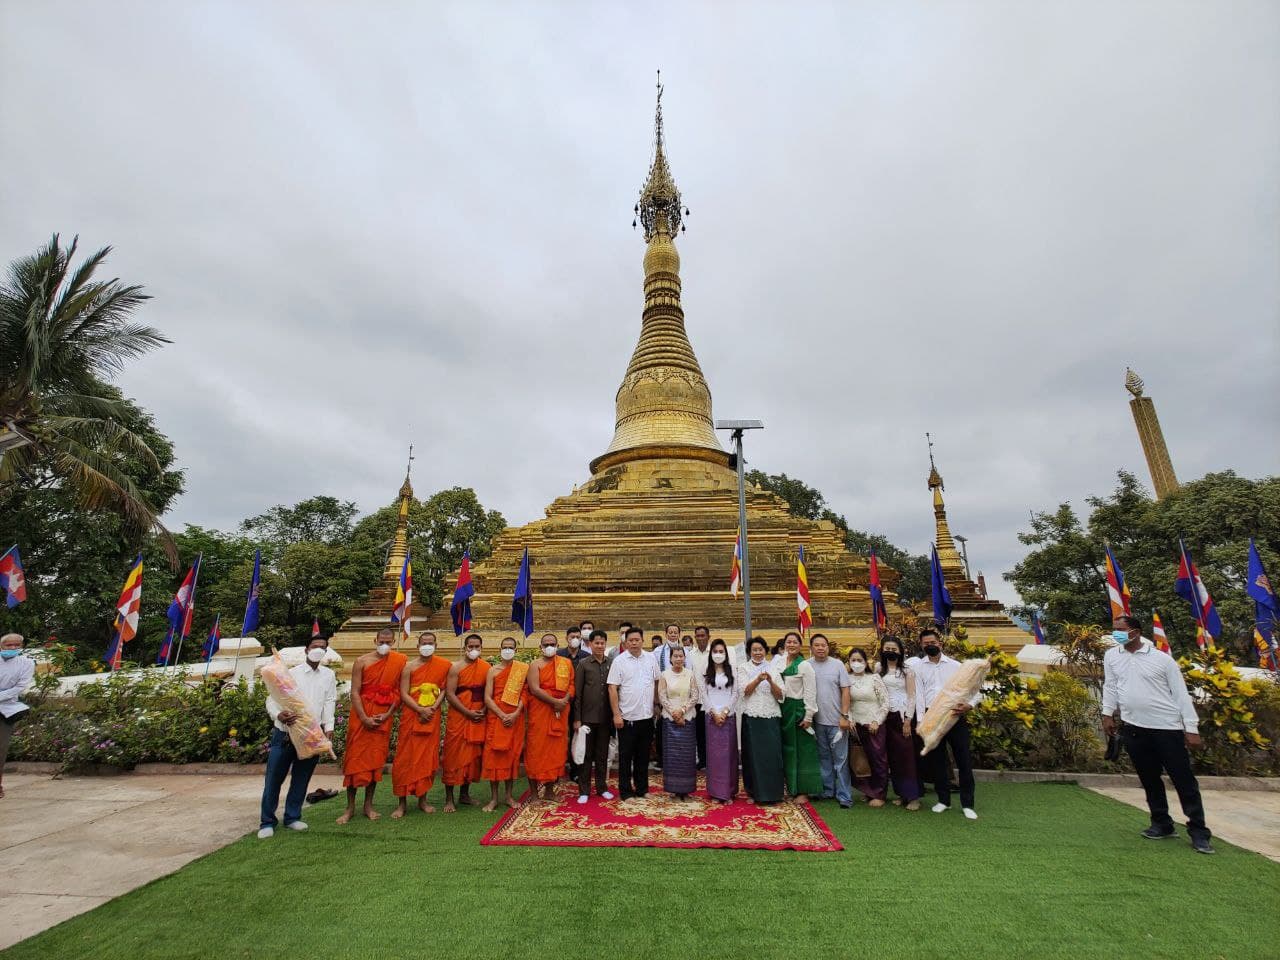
(1120,636)
(9,654)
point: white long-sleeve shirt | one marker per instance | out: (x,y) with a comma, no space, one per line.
(720,696)
(931,678)
(17,676)
(318,687)
(1148,689)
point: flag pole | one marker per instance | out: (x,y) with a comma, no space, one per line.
(188,613)
(209,659)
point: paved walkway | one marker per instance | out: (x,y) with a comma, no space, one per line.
(68,845)
(1247,818)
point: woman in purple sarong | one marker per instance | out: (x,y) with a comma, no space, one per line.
(678,695)
(719,712)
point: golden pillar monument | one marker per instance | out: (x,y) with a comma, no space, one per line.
(1153,446)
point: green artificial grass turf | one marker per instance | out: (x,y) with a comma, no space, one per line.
(1050,871)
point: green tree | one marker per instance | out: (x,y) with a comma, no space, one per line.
(808,503)
(441,528)
(319,519)
(62,334)
(1063,574)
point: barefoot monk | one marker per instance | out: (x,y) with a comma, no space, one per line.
(550,690)
(464,727)
(375,698)
(505,697)
(413,772)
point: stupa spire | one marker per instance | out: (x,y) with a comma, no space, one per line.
(663,407)
(400,541)
(948,556)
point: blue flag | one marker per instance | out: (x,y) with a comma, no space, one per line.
(460,608)
(941,596)
(522,599)
(251,603)
(1266,610)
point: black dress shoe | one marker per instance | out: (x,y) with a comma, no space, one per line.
(1159,833)
(625,796)
(1202,845)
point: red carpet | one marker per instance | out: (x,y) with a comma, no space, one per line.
(660,820)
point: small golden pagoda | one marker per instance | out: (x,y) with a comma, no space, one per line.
(649,537)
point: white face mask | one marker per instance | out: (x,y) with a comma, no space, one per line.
(384,649)
(427,649)
(473,654)
(508,653)
(316,655)
(717,658)
(575,643)
(549,650)
(857,666)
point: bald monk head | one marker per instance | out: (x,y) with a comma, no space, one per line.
(548,645)
(384,641)
(471,646)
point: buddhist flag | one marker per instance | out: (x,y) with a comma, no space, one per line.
(251,602)
(125,627)
(941,595)
(1117,589)
(460,606)
(315,627)
(1266,611)
(522,598)
(1037,629)
(735,572)
(1158,636)
(879,615)
(214,639)
(804,614)
(1191,588)
(13,577)
(402,612)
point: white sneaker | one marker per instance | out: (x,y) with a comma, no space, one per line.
(940,808)
(607,795)
(296,825)
(582,798)
(266,832)
(970,813)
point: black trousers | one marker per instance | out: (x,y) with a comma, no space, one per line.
(1153,751)
(957,739)
(597,758)
(700,728)
(634,740)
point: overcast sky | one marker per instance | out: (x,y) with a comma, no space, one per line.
(365,224)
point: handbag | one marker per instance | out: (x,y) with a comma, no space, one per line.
(859,762)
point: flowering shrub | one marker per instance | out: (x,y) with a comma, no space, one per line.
(1226,704)
(1001,724)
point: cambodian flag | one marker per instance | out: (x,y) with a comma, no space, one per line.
(1191,588)
(460,607)
(215,638)
(941,595)
(1117,589)
(1266,611)
(180,610)
(804,613)
(13,577)
(879,615)
(402,612)
(1037,629)
(1158,636)
(522,598)
(251,602)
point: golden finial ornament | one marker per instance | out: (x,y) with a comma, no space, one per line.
(658,208)
(1132,382)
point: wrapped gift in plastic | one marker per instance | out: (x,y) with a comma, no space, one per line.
(963,686)
(308,736)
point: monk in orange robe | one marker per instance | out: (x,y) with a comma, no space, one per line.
(375,699)
(550,690)
(505,698)
(413,772)
(464,727)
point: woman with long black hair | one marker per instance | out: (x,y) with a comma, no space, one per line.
(719,697)
(900,684)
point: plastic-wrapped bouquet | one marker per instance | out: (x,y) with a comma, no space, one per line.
(961,688)
(308,736)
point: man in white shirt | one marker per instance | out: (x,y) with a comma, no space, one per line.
(1146,688)
(319,688)
(17,676)
(932,671)
(633,690)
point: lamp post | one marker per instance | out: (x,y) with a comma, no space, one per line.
(964,552)
(736,428)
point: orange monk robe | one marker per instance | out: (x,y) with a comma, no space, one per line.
(503,745)
(367,749)
(547,747)
(463,737)
(418,750)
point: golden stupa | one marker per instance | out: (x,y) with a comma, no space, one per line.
(649,538)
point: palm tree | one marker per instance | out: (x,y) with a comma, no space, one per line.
(62,334)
